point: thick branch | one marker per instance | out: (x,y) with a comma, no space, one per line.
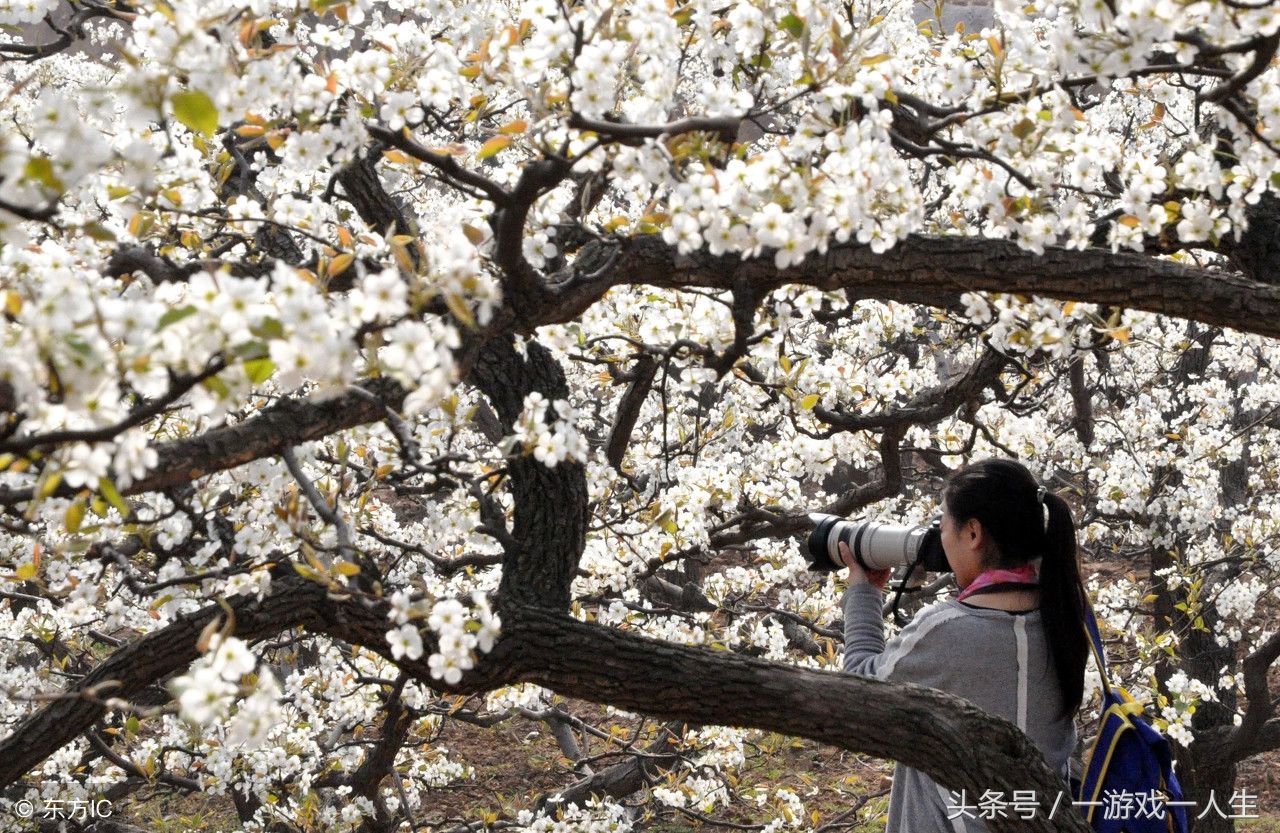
(629,409)
(1242,741)
(550,501)
(950,739)
(288,423)
(153,657)
(936,270)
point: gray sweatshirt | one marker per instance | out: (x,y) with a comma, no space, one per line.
(996,659)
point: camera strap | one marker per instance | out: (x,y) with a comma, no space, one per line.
(902,586)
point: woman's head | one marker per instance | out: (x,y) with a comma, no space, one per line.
(994,515)
(992,508)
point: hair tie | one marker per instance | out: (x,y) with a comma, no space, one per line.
(1040,494)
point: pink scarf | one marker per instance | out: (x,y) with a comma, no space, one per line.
(1025,575)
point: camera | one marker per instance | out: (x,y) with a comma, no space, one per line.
(874,544)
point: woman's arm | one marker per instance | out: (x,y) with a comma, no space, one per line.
(917,654)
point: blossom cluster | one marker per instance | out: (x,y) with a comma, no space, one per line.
(207,691)
(458,635)
(554,440)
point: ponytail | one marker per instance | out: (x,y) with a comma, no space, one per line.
(1062,603)
(1005,497)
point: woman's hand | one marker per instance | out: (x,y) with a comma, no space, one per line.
(857,575)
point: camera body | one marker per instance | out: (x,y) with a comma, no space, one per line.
(875,545)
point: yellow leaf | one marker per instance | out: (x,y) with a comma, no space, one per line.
(26,572)
(340,264)
(74,515)
(206,635)
(493,146)
(12,303)
(346,568)
(399,157)
(514,128)
(50,485)
(475,235)
(809,401)
(400,252)
(247,130)
(196,111)
(460,310)
(1156,117)
(1130,221)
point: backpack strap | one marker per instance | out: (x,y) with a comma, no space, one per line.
(1095,642)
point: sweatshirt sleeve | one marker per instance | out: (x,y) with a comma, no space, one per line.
(916,654)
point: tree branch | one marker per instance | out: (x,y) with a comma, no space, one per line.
(1241,742)
(288,423)
(937,270)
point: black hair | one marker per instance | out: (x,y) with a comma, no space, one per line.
(1005,498)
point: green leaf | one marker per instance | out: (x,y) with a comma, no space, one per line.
(268,328)
(99,232)
(252,350)
(218,386)
(809,401)
(196,110)
(74,516)
(175,315)
(108,490)
(259,370)
(792,24)
(40,169)
(1024,128)
(49,485)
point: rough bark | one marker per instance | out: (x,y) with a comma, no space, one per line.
(937,270)
(550,522)
(288,423)
(953,741)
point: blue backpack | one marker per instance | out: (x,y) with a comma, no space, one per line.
(1129,785)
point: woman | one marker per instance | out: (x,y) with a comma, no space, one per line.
(1012,641)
